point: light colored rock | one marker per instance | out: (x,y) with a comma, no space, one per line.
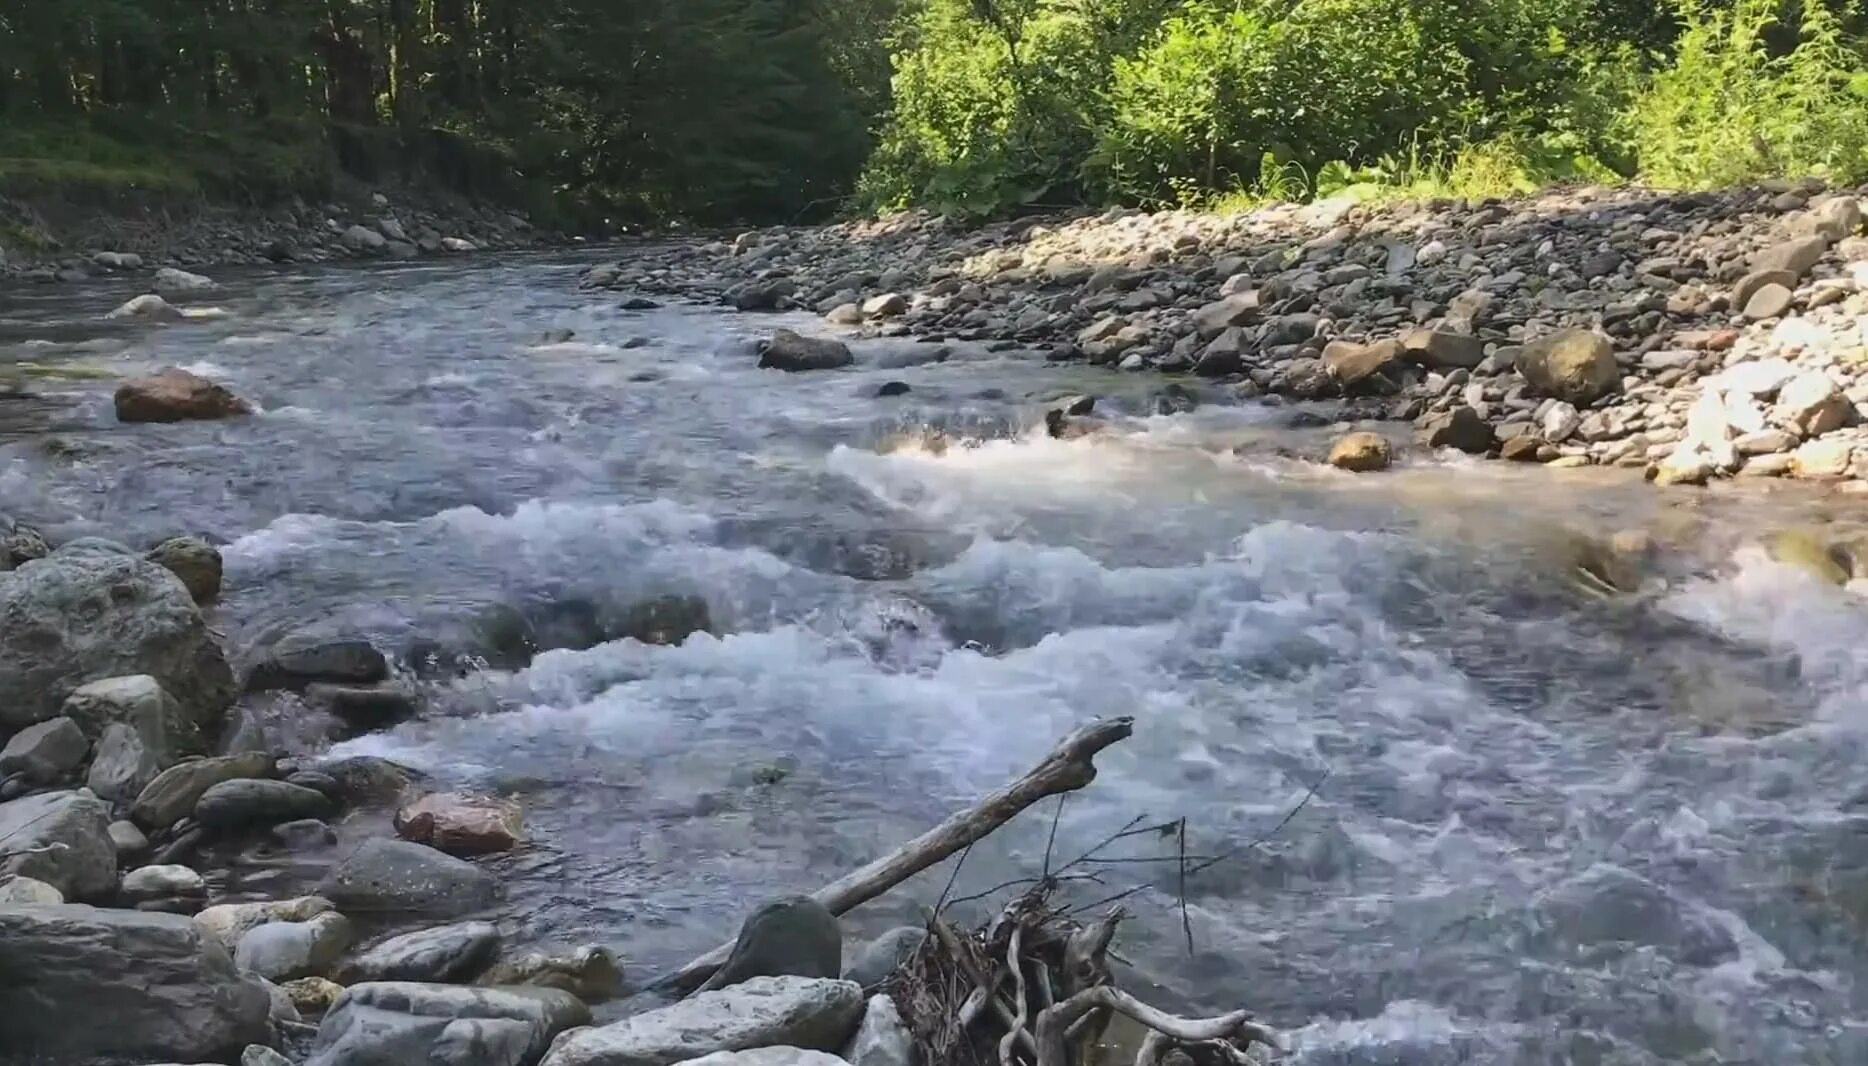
(147,306)
(402,1023)
(458,244)
(1559,422)
(171,281)
(770,1056)
(393,230)
(878,960)
(590,973)
(285,951)
(1361,452)
(24,891)
(1239,309)
(129,840)
(888,305)
(461,824)
(363,239)
(1351,363)
(1810,404)
(118,260)
(161,882)
(845,314)
(176,395)
(1574,365)
(443,954)
(1796,256)
(173,794)
(882,1039)
(124,765)
(394,876)
(227,923)
(312,995)
(85,985)
(63,839)
(261,1055)
(1765,442)
(1823,459)
(1442,349)
(812,1013)
(1761,378)
(46,752)
(1834,219)
(1686,465)
(1769,301)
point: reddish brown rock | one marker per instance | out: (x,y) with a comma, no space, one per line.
(174,395)
(461,824)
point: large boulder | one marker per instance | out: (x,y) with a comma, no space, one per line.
(812,1013)
(788,350)
(75,617)
(175,791)
(443,954)
(461,824)
(141,730)
(1460,428)
(771,1056)
(401,1023)
(63,839)
(46,753)
(300,661)
(394,876)
(1576,365)
(1351,363)
(285,951)
(176,395)
(82,985)
(795,936)
(257,804)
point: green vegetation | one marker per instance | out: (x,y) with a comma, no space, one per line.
(728,110)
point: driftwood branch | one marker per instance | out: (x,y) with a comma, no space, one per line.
(1014,960)
(1054,1024)
(1069,766)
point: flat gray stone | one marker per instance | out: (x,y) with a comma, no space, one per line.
(63,839)
(46,752)
(173,794)
(254,804)
(394,876)
(284,951)
(402,1023)
(228,922)
(444,954)
(811,1013)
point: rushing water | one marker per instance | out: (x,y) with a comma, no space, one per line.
(1548,826)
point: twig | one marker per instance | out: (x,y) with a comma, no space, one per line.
(1013,949)
(1056,1021)
(1051,842)
(1054,879)
(1186,924)
(952,877)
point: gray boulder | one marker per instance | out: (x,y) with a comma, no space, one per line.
(445,954)
(363,239)
(24,890)
(882,1039)
(140,704)
(251,804)
(124,765)
(394,876)
(792,351)
(82,985)
(1577,365)
(811,1013)
(399,1023)
(283,951)
(879,958)
(196,562)
(63,839)
(227,923)
(1796,256)
(297,662)
(1460,428)
(770,1056)
(1442,349)
(173,794)
(790,937)
(46,752)
(129,841)
(590,973)
(77,617)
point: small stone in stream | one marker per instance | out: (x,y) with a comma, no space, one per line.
(845,314)
(176,395)
(171,281)
(1822,460)
(394,876)
(1805,550)
(20,544)
(174,792)
(461,824)
(28,892)
(228,922)
(1795,256)
(1574,365)
(1361,452)
(86,985)
(639,303)
(794,352)
(193,560)
(665,620)
(128,840)
(1351,362)
(893,388)
(1459,428)
(1524,448)
(148,306)
(592,974)
(45,753)
(1441,350)
(888,305)
(445,954)
(367,779)
(882,1039)
(880,958)
(257,804)
(284,951)
(364,707)
(765,1012)
(1769,301)
(303,834)
(161,882)
(403,1023)
(794,936)
(61,838)
(312,996)
(1810,404)
(296,664)
(557,336)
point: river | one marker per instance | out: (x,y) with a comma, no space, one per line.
(1549,824)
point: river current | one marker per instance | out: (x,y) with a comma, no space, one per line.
(1536,821)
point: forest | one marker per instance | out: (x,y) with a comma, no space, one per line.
(779,110)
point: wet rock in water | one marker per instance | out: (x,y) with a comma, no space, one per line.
(312,996)
(303,834)
(20,544)
(195,561)
(45,753)
(1460,428)
(1361,452)
(1810,553)
(148,884)
(443,954)
(639,303)
(795,936)
(63,839)
(295,663)
(791,351)
(556,336)
(171,281)
(1575,365)
(129,841)
(461,824)
(1683,466)
(140,704)
(666,620)
(366,779)
(176,395)
(362,239)
(27,891)
(256,804)
(1442,350)
(882,1039)
(764,296)
(78,617)
(1607,911)
(765,1012)
(592,974)
(317,781)
(90,985)
(880,958)
(228,922)
(893,388)
(364,708)
(284,951)
(174,792)
(394,876)
(147,306)
(404,1022)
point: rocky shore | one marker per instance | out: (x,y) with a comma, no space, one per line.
(51,243)
(1692,336)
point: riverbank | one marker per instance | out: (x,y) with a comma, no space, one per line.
(1692,336)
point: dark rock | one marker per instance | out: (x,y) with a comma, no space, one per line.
(666,620)
(639,303)
(402,1023)
(893,388)
(394,876)
(444,954)
(63,839)
(367,779)
(1574,365)
(792,351)
(795,936)
(297,664)
(304,834)
(46,753)
(764,296)
(1225,354)
(790,1012)
(175,395)
(364,708)
(173,794)
(1460,428)
(1524,448)
(318,781)
(256,804)
(83,985)
(196,562)
(1607,911)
